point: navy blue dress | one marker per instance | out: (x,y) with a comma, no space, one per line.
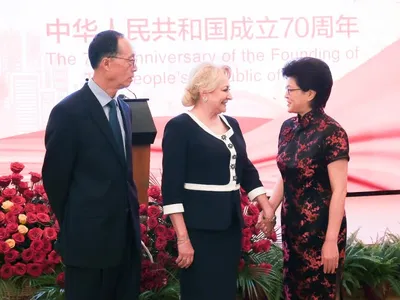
(201,178)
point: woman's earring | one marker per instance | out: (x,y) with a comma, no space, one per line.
(205,99)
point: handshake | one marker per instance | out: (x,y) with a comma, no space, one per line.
(266,221)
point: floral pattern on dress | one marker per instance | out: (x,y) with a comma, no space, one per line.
(306,146)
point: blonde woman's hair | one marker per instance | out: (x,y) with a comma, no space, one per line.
(206,77)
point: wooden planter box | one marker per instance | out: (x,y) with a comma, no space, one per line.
(25,293)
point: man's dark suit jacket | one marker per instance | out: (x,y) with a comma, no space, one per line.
(88,183)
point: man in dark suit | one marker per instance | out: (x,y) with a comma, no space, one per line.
(87,174)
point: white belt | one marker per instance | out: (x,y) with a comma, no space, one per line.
(211,187)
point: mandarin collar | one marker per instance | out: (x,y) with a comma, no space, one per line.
(309,117)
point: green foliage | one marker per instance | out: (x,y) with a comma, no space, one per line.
(376,266)
(254,283)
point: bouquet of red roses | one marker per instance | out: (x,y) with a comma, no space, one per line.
(159,241)
(28,227)
(260,264)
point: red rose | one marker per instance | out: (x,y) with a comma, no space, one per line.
(16,209)
(154,211)
(35,269)
(47,246)
(245,200)
(41,208)
(39,189)
(145,240)
(262,246)
(4,247)
(11,217)
(143,229)
(31,218)
(37,245)
(11,256)
(61,279)
(29,194)
(16,167)
(5,181)
(2,217)
(27,255)
(163,258)
(57,226)
(145,264)
(20,269)
(30,208)
(19,238)
(50,234)
(53,257)
(35,234)
(255,230)
(39,257)
(154,192)
(160,279)
(266,267)
(161,243)
(44,196)
(248,221)
(161,230)
(143,210)
(247,233)
(8,193)
(170,234)
(16,178)
(253,210)
(246,244)
(35,177)
(273,236)
(3,234)
(11,228)
(241,264)
(152,223)
(22,187)
(49,268)
(255,219)
(6,271)
(19,200)
(43,218)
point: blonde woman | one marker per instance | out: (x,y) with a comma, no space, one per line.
(204,165)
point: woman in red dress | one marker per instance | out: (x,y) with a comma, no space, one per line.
(313,155)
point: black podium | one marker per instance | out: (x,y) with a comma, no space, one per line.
(143,135)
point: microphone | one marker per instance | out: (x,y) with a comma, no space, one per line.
(86,80)
(132,93)
(122,96)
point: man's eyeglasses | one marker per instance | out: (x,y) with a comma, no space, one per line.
(131,61)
